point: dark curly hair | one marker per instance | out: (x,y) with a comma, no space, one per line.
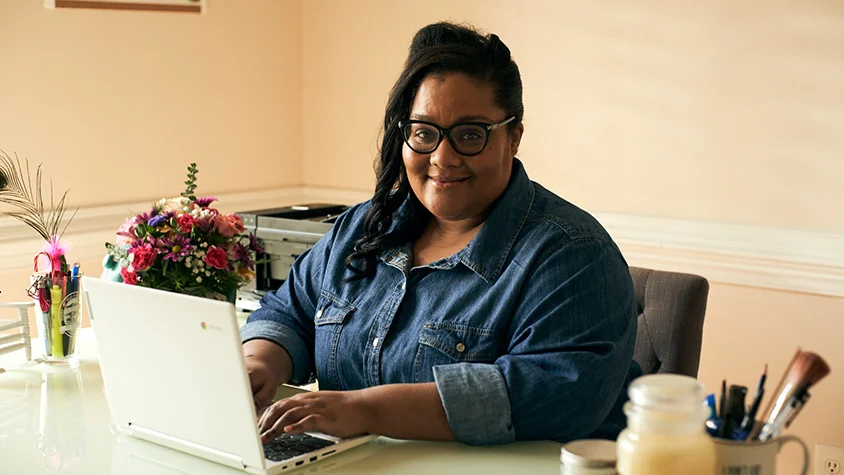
(438,48)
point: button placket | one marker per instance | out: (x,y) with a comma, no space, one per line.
(382,325)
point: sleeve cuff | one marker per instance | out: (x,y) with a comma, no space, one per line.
(285,338)
(476,403)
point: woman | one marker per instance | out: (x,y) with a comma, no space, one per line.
(463,301)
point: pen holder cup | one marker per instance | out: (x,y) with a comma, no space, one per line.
(58,322)
(756,458)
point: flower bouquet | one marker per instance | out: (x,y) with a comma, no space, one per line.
(183,245)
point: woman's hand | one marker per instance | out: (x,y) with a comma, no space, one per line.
(337,413)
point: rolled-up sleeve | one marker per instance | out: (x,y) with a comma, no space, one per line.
(571,341)
(286,316)
(476,403)
(286,338)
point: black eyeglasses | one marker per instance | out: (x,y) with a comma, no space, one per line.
(467,138)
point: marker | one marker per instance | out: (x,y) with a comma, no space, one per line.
(734,411)
(56,310)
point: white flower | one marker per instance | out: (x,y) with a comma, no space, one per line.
(188,262)
(204,244)
(130,268)
(195,270)
(199,279)
(208,273)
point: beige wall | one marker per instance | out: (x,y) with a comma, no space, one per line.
(116,104)
(717,111)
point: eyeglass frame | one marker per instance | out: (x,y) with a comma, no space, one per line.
(446,133)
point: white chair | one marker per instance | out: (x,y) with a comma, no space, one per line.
(22,340)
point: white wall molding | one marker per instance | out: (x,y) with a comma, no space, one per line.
(760,257)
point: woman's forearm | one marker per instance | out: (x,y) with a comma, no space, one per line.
(276,358)
(407,411)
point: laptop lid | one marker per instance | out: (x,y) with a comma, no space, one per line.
(174,371)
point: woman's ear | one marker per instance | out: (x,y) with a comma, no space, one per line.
(516,138)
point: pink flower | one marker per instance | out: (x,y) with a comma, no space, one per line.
(205,201)
(175,247)
(130,278)
(186,223)
(126,233)
(144,256)
(229,225)
(216,257)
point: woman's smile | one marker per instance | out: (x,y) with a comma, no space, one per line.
(448,182)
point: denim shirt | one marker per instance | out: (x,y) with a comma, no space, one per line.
(528,332)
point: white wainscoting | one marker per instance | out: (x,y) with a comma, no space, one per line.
(760,257)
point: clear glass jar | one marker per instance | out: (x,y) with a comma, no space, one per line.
(665,432)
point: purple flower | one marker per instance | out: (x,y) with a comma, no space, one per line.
(144,217)
(240,253)
(156,220)
(175,247)
(205,201)
(254,244)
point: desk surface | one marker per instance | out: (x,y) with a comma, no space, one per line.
(55,420)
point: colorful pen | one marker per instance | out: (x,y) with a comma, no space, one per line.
(56,310)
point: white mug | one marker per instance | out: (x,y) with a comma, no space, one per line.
(754,458)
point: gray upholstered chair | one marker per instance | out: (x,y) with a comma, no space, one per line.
(671,308)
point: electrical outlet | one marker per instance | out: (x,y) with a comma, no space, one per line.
(829,459)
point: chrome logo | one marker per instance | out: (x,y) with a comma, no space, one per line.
(204,326)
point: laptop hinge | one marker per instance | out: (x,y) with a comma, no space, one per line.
(192,448)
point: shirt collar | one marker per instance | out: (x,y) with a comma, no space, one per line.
(487,253)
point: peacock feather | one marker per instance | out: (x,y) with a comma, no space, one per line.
(24,195)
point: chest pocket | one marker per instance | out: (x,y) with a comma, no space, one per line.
(332,312)
(443,343)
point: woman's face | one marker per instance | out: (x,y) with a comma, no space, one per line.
(455,187)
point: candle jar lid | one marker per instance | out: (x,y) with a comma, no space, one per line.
(591,453)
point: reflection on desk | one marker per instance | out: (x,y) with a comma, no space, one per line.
(55,420)
(137,457)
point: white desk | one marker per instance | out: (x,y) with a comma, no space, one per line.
(57,421)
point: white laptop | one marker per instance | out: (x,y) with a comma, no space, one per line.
(174,374)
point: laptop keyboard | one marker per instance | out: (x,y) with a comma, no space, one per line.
(288,446)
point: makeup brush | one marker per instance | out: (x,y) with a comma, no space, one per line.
(754,432)
(805,371)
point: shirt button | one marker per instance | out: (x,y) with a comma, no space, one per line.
(375,343)
(461,347)
(319,313)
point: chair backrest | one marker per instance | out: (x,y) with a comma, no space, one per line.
(15,317)
(671,308)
